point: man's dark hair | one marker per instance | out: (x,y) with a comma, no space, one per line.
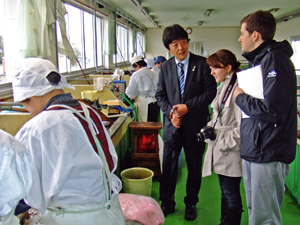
(141,63)
(172,33)
(262,22)
(54,78)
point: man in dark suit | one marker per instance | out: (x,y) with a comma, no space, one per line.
(184,91)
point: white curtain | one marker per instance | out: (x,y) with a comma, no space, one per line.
(34,38)
(109,47)
(37,30)
(64,47)
(133,32)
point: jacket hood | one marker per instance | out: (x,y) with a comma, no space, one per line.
(257,54)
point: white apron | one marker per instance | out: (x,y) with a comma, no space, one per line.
(142,107)
(109,213)
(142,102)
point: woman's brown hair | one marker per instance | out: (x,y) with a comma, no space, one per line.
(223,58)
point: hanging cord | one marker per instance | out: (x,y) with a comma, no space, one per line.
(133,107)
(78,61)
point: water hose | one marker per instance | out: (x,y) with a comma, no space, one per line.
(134,109)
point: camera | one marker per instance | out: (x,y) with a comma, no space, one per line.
(206,133)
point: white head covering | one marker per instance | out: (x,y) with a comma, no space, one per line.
(150,63)
(30,79)
(15,172)
(136,58)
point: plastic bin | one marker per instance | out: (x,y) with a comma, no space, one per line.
(137,180)
(91,95)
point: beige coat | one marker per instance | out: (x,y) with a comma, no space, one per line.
(223,154)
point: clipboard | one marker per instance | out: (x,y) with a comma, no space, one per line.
(251,81)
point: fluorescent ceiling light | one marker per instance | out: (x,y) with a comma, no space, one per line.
(145,11)
(200,23)
(208,12)
(273,10)
(136,2)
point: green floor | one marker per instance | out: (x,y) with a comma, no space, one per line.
(208,206)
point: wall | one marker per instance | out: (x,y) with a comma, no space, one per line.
(214,38)
(285,30)
(217,38)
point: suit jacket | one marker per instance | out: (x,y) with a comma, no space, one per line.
(199,91)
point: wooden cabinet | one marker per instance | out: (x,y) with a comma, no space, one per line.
(143,158)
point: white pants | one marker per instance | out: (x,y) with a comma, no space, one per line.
(264,184)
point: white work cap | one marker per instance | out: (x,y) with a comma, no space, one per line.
(150,63)
(136,58)
(30,79)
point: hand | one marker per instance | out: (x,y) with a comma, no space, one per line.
(181,109)
(238,91)
(176,119)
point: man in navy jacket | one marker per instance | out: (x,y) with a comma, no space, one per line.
(268,136)
(185,113)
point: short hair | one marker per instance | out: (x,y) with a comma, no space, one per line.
(172,33)
(223,58)
(141,63)
(262,22)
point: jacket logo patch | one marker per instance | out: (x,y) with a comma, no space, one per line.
(272,74)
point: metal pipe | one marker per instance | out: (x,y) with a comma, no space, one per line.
(11,104)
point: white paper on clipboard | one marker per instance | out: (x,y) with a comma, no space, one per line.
(251,81)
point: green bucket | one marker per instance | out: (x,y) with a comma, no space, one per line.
(137,180)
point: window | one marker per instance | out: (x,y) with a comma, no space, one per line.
(198,48)
(81,35)
(74,31)
(122,44)
(296,56)
(139,44)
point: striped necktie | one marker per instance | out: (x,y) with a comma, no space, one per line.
(181,78)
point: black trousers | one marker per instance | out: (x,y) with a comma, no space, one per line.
(193,154)
(153,110)
(230,188)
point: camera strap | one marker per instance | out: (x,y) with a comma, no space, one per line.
(226,95)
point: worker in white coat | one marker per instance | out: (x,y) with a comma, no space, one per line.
(142,87)
(15,176)
(73,155)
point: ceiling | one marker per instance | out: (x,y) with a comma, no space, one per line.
(187,13)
